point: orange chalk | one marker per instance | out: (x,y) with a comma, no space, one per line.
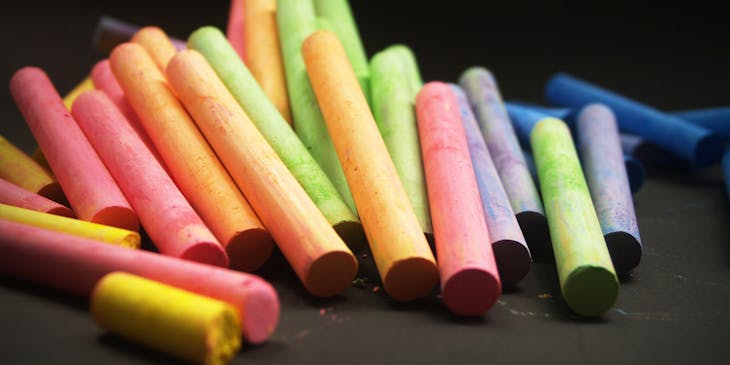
(14,195)
(263,53)
(316,253)
(235,29)
(401,252)
(20,169)
(191,162)
(90,189)
(157,44)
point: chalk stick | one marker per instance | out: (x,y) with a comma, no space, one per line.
(508,243)
(524,120)
(402,254)
(14,195)
(587,277)
(470,282)
(20,169)
(156,43)
(651,155)
(725,163)
(191,162)
(109,234)
(318,256)
(567,115)
(339,14)
(393,108)
(92,192)
(715,119)
(75,264)
(486,101)
(410,66)
(175,321)
(236,27)
(296,21)
(324,24)
(692,143)
(111,32)
(599,148)
(636,173)
(211,43)
(263,54)
(169,220)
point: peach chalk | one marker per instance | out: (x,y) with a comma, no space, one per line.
(311,246)
(89,188)
(157,44)
(20,169)
(263,53)
(470,282)
(404,259)
(235,29)
(99,232)
(166,216)
(191,162)
(14,195)
(75,264)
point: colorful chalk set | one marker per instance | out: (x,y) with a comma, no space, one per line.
(278,135)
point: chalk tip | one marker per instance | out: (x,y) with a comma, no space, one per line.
(411,278)
(260,311)
(535,228)
(210,253)
(352,233)
(223,337)
(117,216)
(708,150)
(331,273)
(625,250)
(513,260)
(248,250)
(471,291)
(590,290)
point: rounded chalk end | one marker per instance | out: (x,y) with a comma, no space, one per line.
(708,150)
(411,278)
(534,227)
(249,249)
(625,251)
(260,311)
(590,290)
(352,233)
(331,273)
(210,253)
(513,260)
(471,292)
(116,216)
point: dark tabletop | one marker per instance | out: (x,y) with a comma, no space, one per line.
(673,309)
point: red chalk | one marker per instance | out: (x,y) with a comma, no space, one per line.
(12,194)
(166,215)
(74,264)
(470,281)
(89,188)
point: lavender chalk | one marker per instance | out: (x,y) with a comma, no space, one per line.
(486,101)
(600,152)
(508,243)
(692,143)
(111,32)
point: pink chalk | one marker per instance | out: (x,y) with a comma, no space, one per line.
(166,215)
(470,281)
(235,29)
(89,188)
(12,194)
(74,264)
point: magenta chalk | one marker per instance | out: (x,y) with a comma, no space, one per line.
(89,188)
(470,282)
(14,195)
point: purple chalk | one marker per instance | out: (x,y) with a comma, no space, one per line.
(111,32)
(510,250)
(484,97)
(599,148)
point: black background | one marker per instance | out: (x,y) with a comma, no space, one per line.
(672,309)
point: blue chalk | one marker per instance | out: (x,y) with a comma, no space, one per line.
(636,173)
(714,119)
(565,114)
(524,119)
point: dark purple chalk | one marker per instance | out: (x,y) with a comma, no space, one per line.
(484,97)
(600,152)
(111,32)
(510,250)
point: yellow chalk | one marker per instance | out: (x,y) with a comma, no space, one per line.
(99,232)
(20,169)
(172,320)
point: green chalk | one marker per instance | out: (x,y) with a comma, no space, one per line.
(324,24)
(296,21)
(393,108)
(339,14)
(212,44)
(410,66)
(587,277)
